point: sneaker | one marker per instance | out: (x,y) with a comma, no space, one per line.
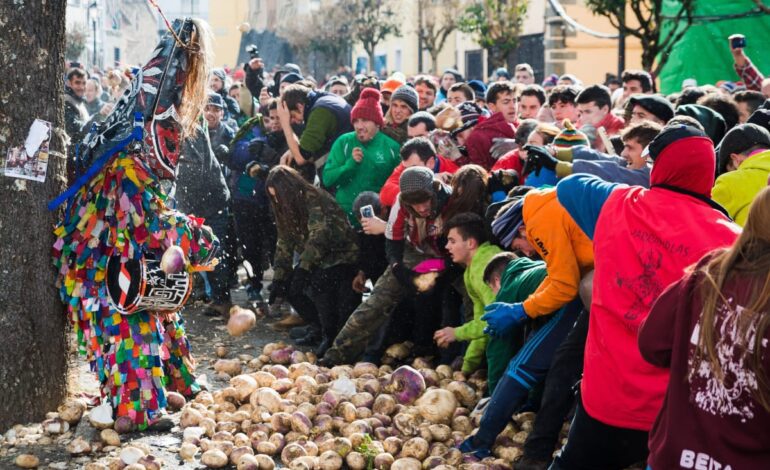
(469,449)
(161,424)
(527,463)
(299,332)
(287,322)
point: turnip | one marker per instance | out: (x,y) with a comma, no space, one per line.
(301,423)
(279,440)
(431,377)
(241,320)
(362,368)
(508,454)
(214,458)
(238,452)
(356,461)
(101,416)
(55,426)
(324,408)
(308,409)
(406,385)
(266,447)
(282,385)
(348,411)
(270,347)
(305,383)
(297,357)
(265,462)
(463,392)
(322,423)
(381,433)
(437,405)
(291,452)
(438,448)
(422,363)
(71,411)
(264,379)
(384,404)
(383,461)
(280,422)
(78,446)
(399,351)
(330,460)
(453,457)
(310,447)
(131,455)
(187,451)
(231,367)
(149,462)
(440,432)
(363,399)
(27,461)
(444,371)
(462,424)
(433,461)
(110,437)
(173,260)
(281,356)
(209,425)
(267,398)
(244,386)
(223,436)
(392,445)
(340,445)
(406,463)
(416,447)
(304,462)
(338,372)
(383,418)
(372,386)
(279,371)
(405,423)
(248,462)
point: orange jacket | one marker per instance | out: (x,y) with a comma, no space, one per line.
(566,250)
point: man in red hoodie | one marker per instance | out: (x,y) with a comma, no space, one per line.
(503,102)
(644,239)
(418,151)
(594,104)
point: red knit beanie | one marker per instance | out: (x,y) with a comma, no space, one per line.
(368,107)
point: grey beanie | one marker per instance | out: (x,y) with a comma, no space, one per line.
(415,178)
(220,74)
(408,95)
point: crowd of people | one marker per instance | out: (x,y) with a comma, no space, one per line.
(601,250)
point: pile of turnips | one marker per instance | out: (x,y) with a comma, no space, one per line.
(288,411)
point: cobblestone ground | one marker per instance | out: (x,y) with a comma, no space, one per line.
(205,334)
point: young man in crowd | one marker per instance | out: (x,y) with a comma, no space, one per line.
(414,235)
(562,103)
(426,90)
(420,124)
(594,107)
(531,101)
(363,159)
(326,117)
(747,101)
(468,247)
(643,241)
(418,151)
(523,74)
(651,108)
(744,165)
(635,82)
(630,168)
(502,101)
(217,83)
(403,103)
(460,93)
(220,134)
(449,78)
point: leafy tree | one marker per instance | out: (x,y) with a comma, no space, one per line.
(656,44)
(75,40)
(438,19)
(370,21)
(496,25)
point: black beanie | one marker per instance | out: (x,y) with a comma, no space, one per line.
(657,105)
(738,140)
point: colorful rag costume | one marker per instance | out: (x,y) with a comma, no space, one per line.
(118,212)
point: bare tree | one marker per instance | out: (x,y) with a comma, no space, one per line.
(371,22)
(33,352)
(656,44)
(325,32)
(437,20)
(496,25)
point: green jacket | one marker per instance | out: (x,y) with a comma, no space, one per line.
(481,295)
(521,278)
(350,178)
(735,190)
(328,240)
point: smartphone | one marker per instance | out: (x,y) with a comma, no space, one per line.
(367,212)
(738,41)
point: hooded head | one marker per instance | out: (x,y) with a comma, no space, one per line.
(683,158)
(712,121)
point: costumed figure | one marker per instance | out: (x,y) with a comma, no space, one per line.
(123,253)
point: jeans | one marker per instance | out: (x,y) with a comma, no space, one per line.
(597,446)
(220,277)
(529,366)
(558,395)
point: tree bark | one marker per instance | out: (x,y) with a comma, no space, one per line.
(33,350)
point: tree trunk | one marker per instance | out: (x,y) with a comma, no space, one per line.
(370,53)
(434,61)
(33,351)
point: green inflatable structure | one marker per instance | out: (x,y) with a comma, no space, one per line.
(703,52)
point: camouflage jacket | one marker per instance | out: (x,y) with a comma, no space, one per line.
(329,240)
